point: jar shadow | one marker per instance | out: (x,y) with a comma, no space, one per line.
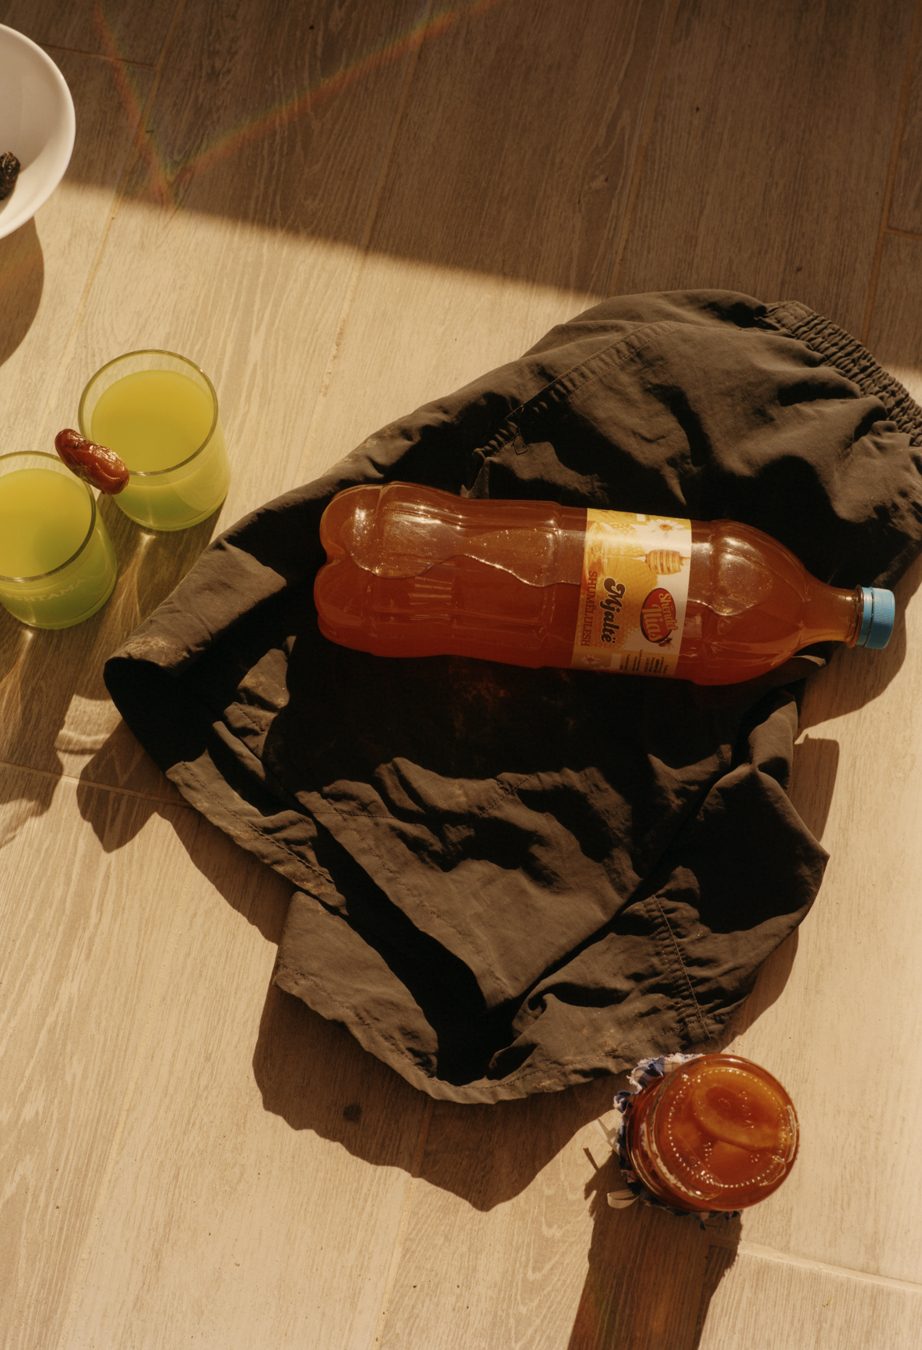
(651,1275)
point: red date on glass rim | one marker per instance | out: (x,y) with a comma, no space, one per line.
(96,464)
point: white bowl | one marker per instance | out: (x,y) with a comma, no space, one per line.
(36,123)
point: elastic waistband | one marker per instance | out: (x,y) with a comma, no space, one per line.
(854,361)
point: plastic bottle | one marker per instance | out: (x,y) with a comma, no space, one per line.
(414,571)
(716,1134)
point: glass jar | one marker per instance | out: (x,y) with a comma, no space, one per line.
(716,1134)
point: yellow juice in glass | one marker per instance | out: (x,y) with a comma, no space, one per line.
(159,413)
(57,565)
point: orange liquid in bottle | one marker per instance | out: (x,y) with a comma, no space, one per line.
(413,571)
(716,1134)
(752,606)
(427,573)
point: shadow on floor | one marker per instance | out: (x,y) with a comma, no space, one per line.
(314,1075)
(651,1275)
(22,280)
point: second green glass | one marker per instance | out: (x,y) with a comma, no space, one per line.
(159,413)
(57,565)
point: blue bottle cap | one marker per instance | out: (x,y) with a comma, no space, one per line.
(877,617)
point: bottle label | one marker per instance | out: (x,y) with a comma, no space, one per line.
(633,594)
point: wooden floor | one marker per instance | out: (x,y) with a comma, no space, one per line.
(341,209)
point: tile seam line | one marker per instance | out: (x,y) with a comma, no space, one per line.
(96,56)
(824,1267)
(897,233)
(89,782)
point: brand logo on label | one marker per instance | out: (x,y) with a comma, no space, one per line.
(658,617)
(610,607)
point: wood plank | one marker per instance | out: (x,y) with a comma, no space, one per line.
(82,960)
(767,1301)
(257,310)
(47,264)
(413,334)
(894,331)
(495,222)
(511,1241)
(55,705)
(769,158)
(282,123)
(844,1032)
(825,1008)
(256,301)
(906,207)
(523,168)
(258,1185)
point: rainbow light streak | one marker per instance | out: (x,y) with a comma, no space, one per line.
(158,180)
(165,179)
